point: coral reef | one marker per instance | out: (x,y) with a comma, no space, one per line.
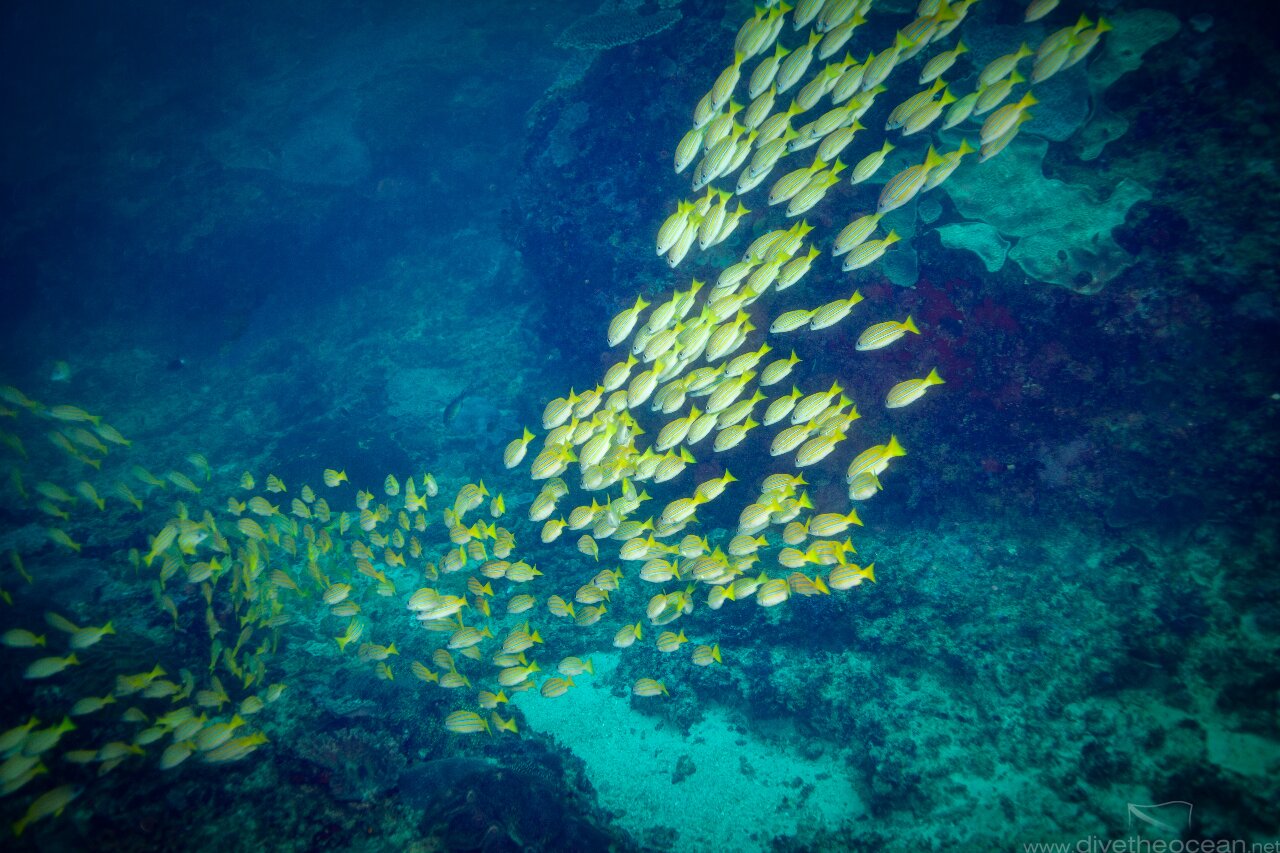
(354,763)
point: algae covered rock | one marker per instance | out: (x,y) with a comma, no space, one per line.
(527,802)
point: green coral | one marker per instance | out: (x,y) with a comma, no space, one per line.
(1122,50)
(1062,231)
(979,238)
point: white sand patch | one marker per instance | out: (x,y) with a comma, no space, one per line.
(742,791)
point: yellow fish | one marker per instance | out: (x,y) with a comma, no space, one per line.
(833,523)
(176,753)
(850,575)
(52,509)
(515,452)
(49,804)
(336,593)
(466,723)
(513,675)
(424,672)
(489,700)
(649,687)
(54,492)
(87,491)
(61,536)
(73,414)
(88,636)
(882,335)
(50,666)
(520,603)
(669,641)
(122,491)
(259,505)
(354,630)
(467,637)
(790,321)
(520,639)
(706,655)
(589,615)
(11,741)
(906,393)
(20,638)
(773,592)
(560,607)
(572,666)
(555,686)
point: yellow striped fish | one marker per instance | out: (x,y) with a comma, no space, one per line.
(1002,66)
(869,252)
(706,655)
(850,575)
(669,641)
(627,635)
(781,407)
(903,186)
(790,321)
(572,666)
(906,393)
(791,438)
(833,312)
(778,370)
(855,234)
(992,96)
(649,687)
(513,675)
(833,523)
(869,165)
(883,334)
(521,603)
(454,680)
(864,486)
(489,700)
(467,637)
(940,64)
(874,460)
(927,113)
(559,607)
(817,448)
(1000,121)
(466,723)
(900,113)
(555,686)
(773,592)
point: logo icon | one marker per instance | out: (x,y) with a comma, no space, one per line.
(1170,817)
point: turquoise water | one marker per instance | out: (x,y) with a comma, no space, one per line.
(380,239)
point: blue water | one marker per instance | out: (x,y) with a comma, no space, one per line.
(379,238)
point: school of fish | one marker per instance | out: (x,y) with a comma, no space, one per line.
(697,374)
